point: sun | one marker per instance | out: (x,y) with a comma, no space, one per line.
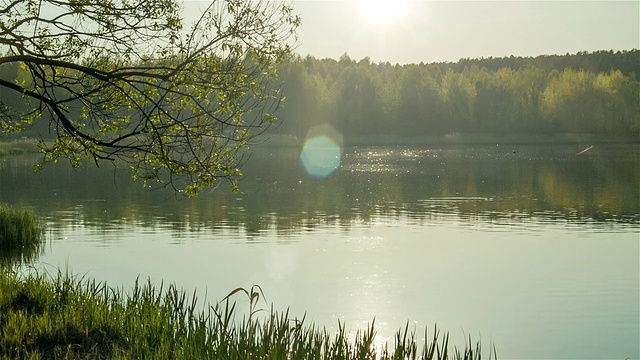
(382,10)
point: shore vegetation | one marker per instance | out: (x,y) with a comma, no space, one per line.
(20,235)
(69,317)
(18,147)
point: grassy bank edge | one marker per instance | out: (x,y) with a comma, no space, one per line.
(65,316)
(18,147)
(21,235)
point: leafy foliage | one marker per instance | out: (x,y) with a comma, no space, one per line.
(123,79)
(522,96)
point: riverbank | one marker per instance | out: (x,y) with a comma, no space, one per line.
(18,147)
(69,317)
(20,235)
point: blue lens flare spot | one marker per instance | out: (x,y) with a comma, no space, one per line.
(322,151)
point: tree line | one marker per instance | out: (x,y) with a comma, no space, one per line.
(585,93)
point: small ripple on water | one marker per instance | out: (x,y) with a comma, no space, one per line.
(453,199)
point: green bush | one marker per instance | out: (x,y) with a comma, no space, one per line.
(20,235)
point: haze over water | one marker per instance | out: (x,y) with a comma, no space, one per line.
(533,249)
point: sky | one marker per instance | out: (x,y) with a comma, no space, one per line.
(414,31)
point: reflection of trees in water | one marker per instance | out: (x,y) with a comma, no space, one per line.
(467,184)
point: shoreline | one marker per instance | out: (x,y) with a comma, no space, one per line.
(277,140)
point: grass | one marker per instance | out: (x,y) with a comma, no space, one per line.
(20,235)
(65,317)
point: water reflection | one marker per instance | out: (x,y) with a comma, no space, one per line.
(482,184)
(535,250)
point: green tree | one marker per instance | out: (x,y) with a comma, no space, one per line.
(617,103)
(357,98)
(572,103)
(124,79)
(420,102)
(458,93)
(307,97)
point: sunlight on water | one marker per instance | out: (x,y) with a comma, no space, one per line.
(535,251)
(322,151)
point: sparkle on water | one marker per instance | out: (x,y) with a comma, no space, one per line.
(322,151)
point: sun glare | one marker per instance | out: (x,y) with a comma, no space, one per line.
(382,10)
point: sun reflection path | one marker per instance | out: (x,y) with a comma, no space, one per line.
(322,151)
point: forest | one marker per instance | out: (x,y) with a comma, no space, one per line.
(585,93)
(594,93)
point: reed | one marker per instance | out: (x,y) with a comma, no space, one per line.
(66,317)
(20,235)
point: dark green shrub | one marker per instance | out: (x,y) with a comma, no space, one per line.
(20,235)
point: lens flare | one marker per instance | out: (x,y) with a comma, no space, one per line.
(322,151)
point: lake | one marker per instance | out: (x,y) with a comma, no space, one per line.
(534,249)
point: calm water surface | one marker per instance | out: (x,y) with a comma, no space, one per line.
(533,249)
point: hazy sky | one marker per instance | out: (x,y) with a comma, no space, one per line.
(401,31)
